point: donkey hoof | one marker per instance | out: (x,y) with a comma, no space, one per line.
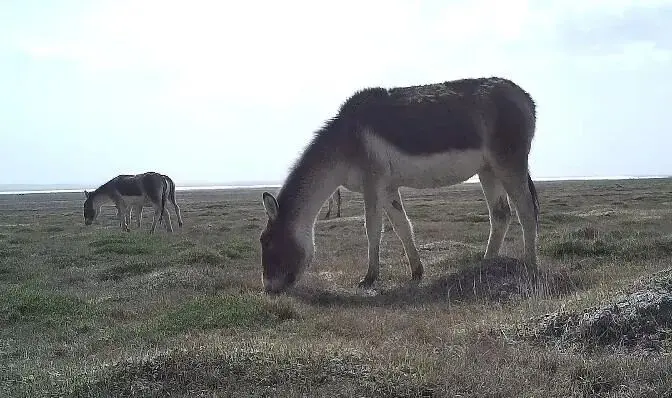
(529,262)
(416,275)
(365,283)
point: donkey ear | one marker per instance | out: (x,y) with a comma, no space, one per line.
(86,194)
(271,205)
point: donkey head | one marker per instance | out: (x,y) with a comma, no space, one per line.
(285,254)
(90,212)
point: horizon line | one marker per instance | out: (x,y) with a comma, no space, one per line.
(215,186)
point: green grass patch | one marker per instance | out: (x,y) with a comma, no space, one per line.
(128,244)
(222,312)
(19,240)
(559,218)
(646,248)
(7,251)
(472,217)
(66,260)
(129,268)
(588,241)
(216,206)
(23,303)
(578,248)
(7,271)
(183,245)
(237,249)
(200,255)
(53,228)
(251,371)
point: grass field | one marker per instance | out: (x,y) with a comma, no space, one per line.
(93,311)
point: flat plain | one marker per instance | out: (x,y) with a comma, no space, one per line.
(94,311)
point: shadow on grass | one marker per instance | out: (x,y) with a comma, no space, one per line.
(502,279)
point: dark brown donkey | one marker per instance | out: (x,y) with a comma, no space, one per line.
(133,191)
(420,137)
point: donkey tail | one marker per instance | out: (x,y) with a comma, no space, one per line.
(535,198)
(171,188)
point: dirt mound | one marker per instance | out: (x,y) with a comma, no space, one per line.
(503,279)
(640,318)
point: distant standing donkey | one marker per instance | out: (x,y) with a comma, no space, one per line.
(128,191)
(337,196)
(137,207)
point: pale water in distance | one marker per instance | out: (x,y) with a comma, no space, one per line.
(7,189)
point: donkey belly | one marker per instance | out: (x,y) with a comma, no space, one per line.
(134,201)
(422,171)
(434,170)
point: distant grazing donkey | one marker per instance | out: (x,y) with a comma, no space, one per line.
(335,197)
(132,191)
(136,208)
(421,137)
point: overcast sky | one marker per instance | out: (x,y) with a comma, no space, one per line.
(218,91)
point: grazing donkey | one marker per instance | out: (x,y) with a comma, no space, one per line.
(420,137)
(130,191)
(136,208)
(336,195)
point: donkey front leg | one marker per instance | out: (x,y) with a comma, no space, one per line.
(122,214)
(373,208)
(138,215)
(157,213)
(498,209)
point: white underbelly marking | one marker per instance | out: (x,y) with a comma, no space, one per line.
(422,171)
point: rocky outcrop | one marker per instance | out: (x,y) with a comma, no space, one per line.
(639,318)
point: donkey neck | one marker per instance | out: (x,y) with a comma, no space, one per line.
(312,181)
(99,199)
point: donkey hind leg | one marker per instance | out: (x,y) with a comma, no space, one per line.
(338,203)
(177,208)
(155,218)
(394,207)
(516,185)
(498,209)
(373,209)
(166,220)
